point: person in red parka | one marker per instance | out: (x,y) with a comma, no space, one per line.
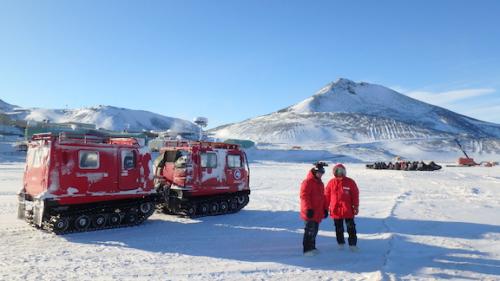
(342,199)
(312,206)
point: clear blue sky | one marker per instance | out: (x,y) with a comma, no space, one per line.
(233,60)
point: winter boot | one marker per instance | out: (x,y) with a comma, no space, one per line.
(354,248)
(311,253)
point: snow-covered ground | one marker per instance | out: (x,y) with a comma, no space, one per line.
(412,225)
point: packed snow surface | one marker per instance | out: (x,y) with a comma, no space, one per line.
(412,226)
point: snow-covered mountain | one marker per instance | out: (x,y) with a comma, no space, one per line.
(365,116)
(107,117)
(6,107)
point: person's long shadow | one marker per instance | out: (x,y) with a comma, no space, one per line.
(276,236)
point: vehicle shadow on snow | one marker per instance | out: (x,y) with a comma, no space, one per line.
(276,236)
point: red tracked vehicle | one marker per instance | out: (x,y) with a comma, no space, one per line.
(77,183)
(202,178)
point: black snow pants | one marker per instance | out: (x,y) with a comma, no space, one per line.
(310,232)
(351,230)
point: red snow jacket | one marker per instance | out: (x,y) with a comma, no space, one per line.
(342,197)
(312,197)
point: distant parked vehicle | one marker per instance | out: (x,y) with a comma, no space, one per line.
(469,162)
(405,166)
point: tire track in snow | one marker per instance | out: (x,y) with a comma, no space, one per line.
(492,179)
(397,202)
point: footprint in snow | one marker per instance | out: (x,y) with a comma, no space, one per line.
(475,191)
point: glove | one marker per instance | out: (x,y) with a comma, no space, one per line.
(326,214)
(355,210)
(310,213)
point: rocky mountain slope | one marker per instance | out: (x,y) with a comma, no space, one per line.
(361,116)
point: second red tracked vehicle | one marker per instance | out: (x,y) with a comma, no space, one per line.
(202,178)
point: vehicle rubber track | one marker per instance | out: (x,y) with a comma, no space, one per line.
(97,217)
(203,206)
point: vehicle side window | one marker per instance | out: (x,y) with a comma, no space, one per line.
(208,160)
(88,159)
(170,156)
(128,159)
(234,161)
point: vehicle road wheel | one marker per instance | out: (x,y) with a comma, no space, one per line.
(214,207)
(60,224)
(243,200)
(114,219)
(131,217)
(98,221)
(223,206)
(233,204)
(82,222)
(204,208)
(147,208)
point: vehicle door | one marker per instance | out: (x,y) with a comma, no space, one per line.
(94,170)
(236,174)
(212,170)
(130,175)
(37,167)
